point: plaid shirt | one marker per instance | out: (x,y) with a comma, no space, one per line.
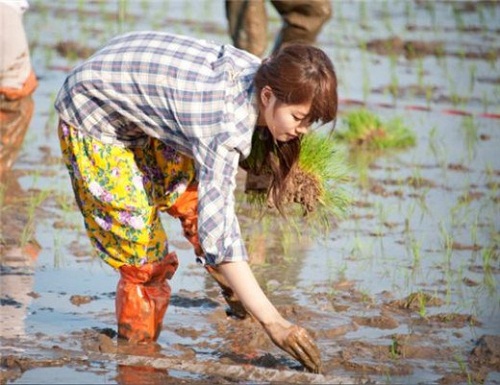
(194,95)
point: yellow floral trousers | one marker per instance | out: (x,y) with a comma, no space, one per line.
(120,191)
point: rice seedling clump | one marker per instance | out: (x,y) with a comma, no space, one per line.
(364,129)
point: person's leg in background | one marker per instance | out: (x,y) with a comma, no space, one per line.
(302,20)
(247,22)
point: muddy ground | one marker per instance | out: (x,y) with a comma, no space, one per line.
(403,290)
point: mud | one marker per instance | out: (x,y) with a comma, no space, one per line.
(412,49)
(304,190)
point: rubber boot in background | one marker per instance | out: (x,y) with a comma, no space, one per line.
(142,298)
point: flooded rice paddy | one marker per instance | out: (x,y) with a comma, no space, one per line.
(405,289)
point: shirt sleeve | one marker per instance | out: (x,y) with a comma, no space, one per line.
(218,226)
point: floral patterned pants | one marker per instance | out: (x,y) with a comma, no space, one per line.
(120,191)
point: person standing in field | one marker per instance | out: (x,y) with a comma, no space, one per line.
(160,122)
(302,22)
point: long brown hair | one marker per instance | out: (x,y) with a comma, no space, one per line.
(297,73)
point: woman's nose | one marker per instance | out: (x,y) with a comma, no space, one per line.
(302,129)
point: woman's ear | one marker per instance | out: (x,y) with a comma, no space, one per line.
(265,95)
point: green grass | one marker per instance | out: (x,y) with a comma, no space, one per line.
(364,129)
(322,157)
(325,162)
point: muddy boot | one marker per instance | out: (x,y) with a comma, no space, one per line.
(142,298)
(236,308)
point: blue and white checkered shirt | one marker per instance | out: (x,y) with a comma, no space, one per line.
(194,95)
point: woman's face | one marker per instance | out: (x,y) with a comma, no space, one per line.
(285,121)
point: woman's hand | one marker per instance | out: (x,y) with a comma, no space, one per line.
(293,339)
(297,342)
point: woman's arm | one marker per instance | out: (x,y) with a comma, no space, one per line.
(289,337)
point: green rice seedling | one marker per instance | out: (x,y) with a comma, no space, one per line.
(491,182)
(394,83)
(431,10)
(489,255)
(422,301)
(51,121)
(422,203)
(447,243)
(65,202)
(363,14)
(420,72)
(387,17)
(480,15)
(437,148)
(490,282)
(366,298)
(387,376)
(463,369)
(472,77)
(363,129)
(366,72)
(415,251)
(471,136)
(394,349)
(357,248)
(455,97)
(34,202)
(382,221)
(473,231)
(459,20)
(409,13)
(341,272)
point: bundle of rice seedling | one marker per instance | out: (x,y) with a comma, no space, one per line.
(317,186)
(364,129)
(319,181)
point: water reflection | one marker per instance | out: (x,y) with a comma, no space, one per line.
(140,374)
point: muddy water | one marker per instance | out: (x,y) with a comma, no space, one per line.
(404,290)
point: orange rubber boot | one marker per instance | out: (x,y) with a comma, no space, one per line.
(142,298)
